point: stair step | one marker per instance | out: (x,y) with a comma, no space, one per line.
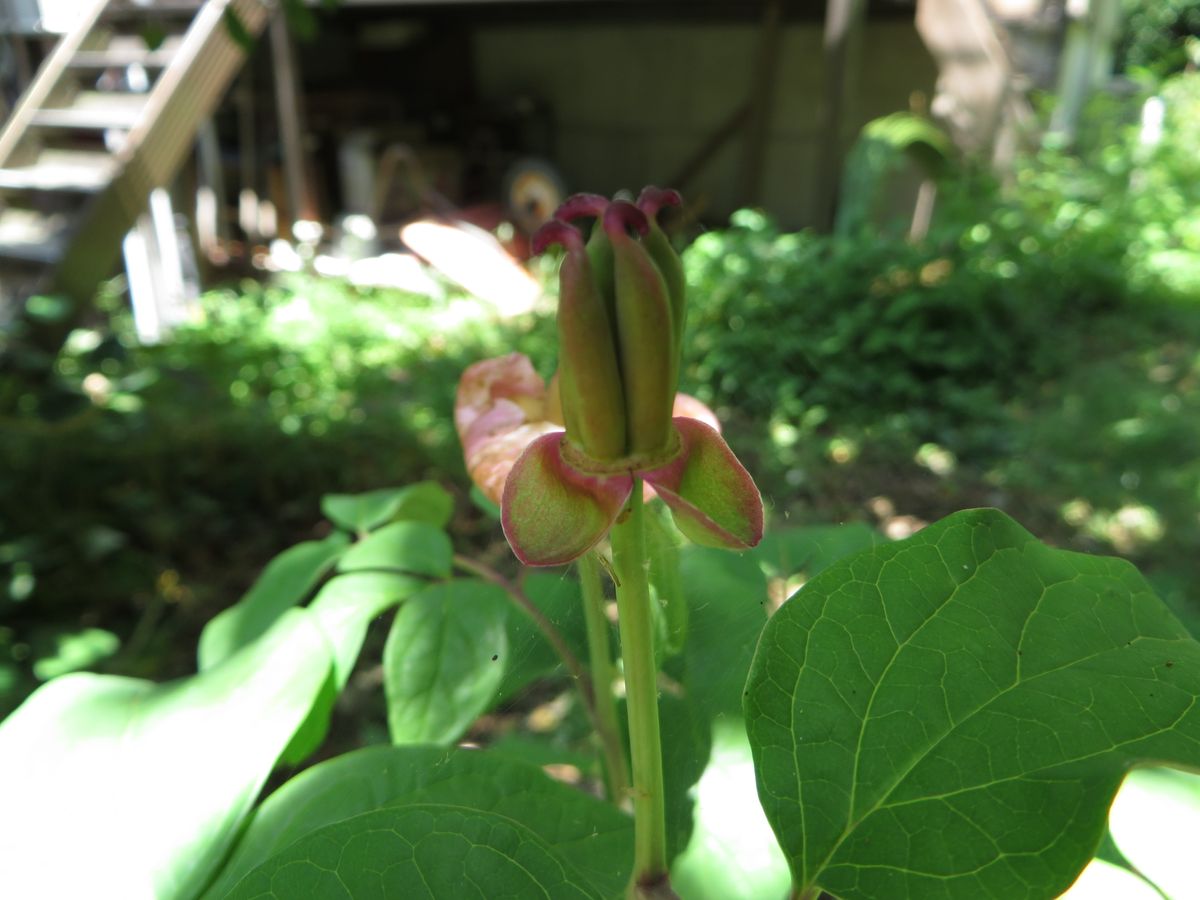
(31,237)
(61,170)
(122,58)
(94,110)
(143,9)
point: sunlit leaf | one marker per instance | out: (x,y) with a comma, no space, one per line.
(425,501)
(444,660)
(344,608)
(950,716)
(732,854)
(285,582)
(1154,822)
(416,547)
(157,777)
(592,836)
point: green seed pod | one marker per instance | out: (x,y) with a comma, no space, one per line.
(589,374)
(644,330)
(658,245)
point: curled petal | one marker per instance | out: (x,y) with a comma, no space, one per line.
(553,513)
(713,498)
(485,383)
(689,406)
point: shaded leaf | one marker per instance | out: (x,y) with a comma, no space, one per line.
(950,716)
(444,660)
(662,548)
(158,777)
(420,850)
(726,594)
(594,837)
(416,547)
(530,655)
(285,582)
(791,551)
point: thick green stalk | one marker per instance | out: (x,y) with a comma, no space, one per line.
(616,769)
(650,873)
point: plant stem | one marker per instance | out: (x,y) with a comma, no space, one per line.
(641,692)
(616,769)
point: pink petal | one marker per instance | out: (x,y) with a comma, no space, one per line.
(553,513)
(510,378)
(687,405)
(712,496)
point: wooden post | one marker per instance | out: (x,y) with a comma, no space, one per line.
(761,104)
(291,131)
(843,30)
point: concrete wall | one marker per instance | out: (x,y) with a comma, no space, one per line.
(633,102)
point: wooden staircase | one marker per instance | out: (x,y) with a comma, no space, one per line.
(106,120)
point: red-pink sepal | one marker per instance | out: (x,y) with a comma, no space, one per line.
(712,497)
(553,513)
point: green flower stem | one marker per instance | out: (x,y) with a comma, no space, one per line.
(641,691)
(616,769)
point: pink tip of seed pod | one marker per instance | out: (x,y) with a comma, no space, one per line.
(620,216)
(652,199)
(581,206)
(556,232)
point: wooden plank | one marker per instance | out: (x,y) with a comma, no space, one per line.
(46,80)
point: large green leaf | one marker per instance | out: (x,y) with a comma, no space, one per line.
(950,716)
(425,501)
(117,787)
(594,837)
(285,582)
(444,660)
(416,547)
(432,851)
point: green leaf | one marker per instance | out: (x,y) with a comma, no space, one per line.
(422,850)
(144,786)
(444,660)
(76,650)
(594,837)
(662,548)
(416,547)
(785,552)
(344,608)
(425,501)
(951,715)
(530,655)
(726,594)
(284,583)
(732,854)
(686,742)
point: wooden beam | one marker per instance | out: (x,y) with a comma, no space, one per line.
(291,130)
(843,30)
